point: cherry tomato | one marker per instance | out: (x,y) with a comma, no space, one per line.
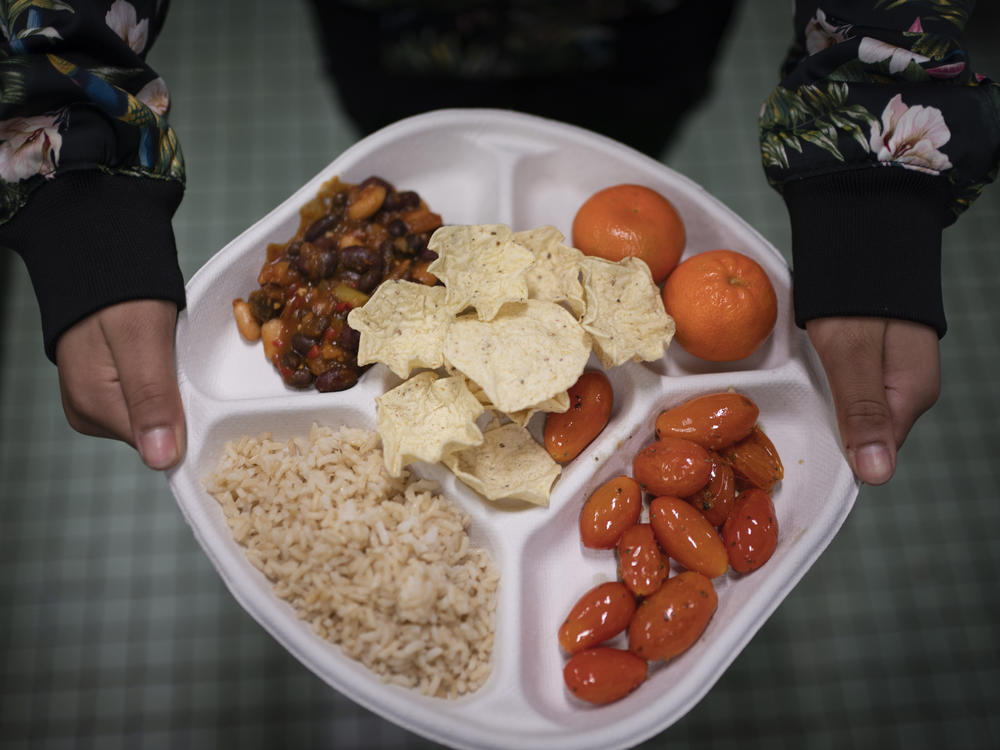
(672,466)
(715,500)
(604,675)
(687,536)
(590,402)
(598,615)
(641,565)
(612,508)
(755,460)
(671,620)
(751,531)
(712,421)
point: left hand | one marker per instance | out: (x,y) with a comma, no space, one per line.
(117,378)
(884,373)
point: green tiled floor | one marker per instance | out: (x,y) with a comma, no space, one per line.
(115,632)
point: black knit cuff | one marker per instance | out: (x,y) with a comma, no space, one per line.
(868,242)
(91,239)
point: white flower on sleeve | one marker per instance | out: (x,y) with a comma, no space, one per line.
(911,137)
(155,96)
(874,50)
(30,146)
(821,34)
(123,20)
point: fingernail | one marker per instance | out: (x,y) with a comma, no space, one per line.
(873,463)
(158,447)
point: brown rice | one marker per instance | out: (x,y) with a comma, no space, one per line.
(381,566)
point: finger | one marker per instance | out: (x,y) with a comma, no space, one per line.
(851,351)
(88,383)
(912,373)
(140,335)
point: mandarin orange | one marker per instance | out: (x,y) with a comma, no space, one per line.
(631,220)
(723,304)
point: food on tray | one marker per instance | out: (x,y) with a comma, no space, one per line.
(672,466)
(624,315)
(723,304)
(567,433)
(350,239)
(755,460)
(603,674)
(642,566)
(424,418)
(381,566)
(710,510)
(613,507)
(670,620)
(599,615)
(519,317)
(685,535)
(624,221)
(711,421)
(509,463)
(750,532)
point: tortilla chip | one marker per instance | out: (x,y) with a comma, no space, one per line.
(481,266)
(403,326)
(527,354)
(625,314)
(508,464)
(425,418)
(555,276)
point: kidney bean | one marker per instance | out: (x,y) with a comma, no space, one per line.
(348,339)
(369,280)
(337,378)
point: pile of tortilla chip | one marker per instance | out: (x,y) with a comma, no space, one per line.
(510,330)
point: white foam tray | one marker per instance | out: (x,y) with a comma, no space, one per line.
(484,166)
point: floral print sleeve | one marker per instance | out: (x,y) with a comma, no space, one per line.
(879,135)
(90,169)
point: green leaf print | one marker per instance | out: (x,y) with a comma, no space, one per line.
(956,13)
(812,115)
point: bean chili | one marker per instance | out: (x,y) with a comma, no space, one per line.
(350,239)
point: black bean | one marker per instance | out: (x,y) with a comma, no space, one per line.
(315,263)
(266,302)
(338,378)
(302,344)
(300,378)
(416,243)
(321,226)
(315,326)
(374,180)
(360,258)
(369,280)
(397,227)
(428,255)
(293,248)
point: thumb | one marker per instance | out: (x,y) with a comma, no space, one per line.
(140,335)
(852,353)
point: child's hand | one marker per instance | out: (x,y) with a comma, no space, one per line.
(884,373)
(117,377)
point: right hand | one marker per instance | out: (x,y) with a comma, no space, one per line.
(117,378)
(884,373)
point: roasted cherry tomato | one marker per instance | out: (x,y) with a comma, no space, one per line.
(604,675)
(712,421)
(755,460)
(590,402)
(715,500)
(671,620)
(642,566)
(751,531)
(612,508)
(672,466)
(687,536)
(600,614)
